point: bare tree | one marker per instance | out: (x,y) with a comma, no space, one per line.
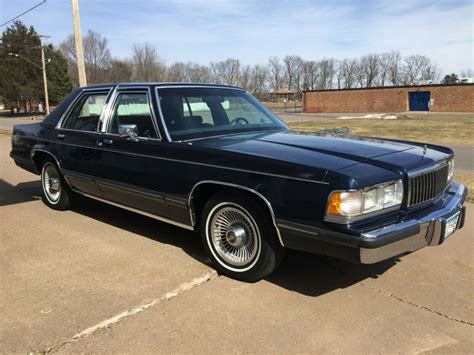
(226,72)
(275,69)
(430,71)
(177,72)
(147,65)
(394,68)
(349,69)
(414,68)
(310,75)
(246,78)
(196,73)
(292,65)
(339,73)
(383,74)
(97,56)
(298,86)
(327,72)
(467,73)
(119,71)
(359,74)
(371,66)
(259,79)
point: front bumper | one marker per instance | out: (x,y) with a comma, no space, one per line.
(415,232)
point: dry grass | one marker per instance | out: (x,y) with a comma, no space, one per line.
(467,179)
(453,131)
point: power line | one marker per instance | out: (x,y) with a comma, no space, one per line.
(23,13)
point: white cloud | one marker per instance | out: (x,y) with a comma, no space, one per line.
(253,30)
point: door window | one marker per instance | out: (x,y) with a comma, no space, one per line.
(133,108)
(85,115)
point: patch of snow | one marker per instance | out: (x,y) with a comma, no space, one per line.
(378,116)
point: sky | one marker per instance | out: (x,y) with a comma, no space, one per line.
(253,30)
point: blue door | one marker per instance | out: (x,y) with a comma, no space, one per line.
(419,101)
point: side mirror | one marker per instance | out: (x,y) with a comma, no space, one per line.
(128,131)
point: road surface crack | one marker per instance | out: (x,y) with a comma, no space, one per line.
(391,295)
(400,299)
(211,275)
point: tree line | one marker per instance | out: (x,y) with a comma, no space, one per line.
(291,72)
(144,64)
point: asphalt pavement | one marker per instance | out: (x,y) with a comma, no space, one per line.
(98,279)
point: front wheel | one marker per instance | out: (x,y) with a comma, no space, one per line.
(239,237)
(56,193)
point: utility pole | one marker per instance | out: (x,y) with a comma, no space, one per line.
(78,39)
(45,80)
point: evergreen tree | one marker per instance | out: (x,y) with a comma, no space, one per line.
(450,79)
(20,80)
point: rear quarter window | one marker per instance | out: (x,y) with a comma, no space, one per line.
(53,118)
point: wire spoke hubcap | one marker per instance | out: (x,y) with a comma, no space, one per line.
(234,236)
(51,183)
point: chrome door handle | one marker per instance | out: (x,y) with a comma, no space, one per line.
(108,141)
(61,136)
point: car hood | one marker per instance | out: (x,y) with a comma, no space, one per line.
(329,152)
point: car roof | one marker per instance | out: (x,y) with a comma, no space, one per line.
(161,84)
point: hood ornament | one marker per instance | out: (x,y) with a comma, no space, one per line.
(425,149)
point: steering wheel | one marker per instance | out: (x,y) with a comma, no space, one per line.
(239,121)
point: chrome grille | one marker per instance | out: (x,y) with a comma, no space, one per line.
(426,185)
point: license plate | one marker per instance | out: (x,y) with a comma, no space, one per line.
(451,224)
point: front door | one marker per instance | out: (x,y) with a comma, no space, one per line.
(123,161)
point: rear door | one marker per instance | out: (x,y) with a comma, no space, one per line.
(77,137)
(123,175)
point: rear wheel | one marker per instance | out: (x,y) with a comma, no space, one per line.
(56,192)
(239,237)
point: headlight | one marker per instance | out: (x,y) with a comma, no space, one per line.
(450,169)
(348,206)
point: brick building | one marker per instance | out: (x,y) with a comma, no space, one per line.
(434,98)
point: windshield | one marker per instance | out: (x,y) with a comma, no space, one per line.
(201,112)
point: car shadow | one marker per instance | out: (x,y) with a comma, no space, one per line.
(314,275)
(20,193)
(305,273)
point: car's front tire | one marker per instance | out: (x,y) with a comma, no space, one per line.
(56,193)
(239,237)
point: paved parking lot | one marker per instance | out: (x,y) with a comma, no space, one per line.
(100,279)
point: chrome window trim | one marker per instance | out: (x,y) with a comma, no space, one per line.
(106,89)
(160,112)
(111,108)
(210,86)
(258,194)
